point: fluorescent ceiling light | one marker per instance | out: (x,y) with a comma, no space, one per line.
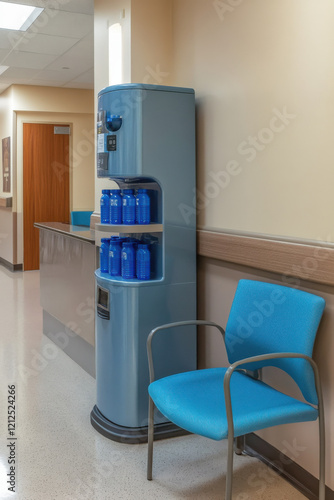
(14,16)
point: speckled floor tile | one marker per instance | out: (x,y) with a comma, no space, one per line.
(60,456)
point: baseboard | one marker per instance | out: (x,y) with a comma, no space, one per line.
(8,265)
(300,478)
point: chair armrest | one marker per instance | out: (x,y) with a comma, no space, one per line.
(271,355)
(174,325)
(265,357)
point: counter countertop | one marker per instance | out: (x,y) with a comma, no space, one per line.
(79,232)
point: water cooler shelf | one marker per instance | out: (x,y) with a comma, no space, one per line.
(118,280)
(134,228)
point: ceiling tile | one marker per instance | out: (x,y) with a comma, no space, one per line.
(79,58)
(87,77)
(45,44)
(3,54)
(78,85)
(17,74)
(44,83)
(56,76)
(82,6)
(7,40)
(34,3)
(28,60)
(67,24)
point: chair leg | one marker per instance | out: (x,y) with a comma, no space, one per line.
(229,470)
(322,457)
(150,439)
(239,445)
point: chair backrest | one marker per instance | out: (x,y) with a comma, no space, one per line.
(267,318)
(81,218)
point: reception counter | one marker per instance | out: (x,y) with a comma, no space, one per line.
(67,265)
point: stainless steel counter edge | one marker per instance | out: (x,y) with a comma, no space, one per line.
(68,230)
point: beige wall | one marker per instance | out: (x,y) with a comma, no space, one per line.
(7,218)
(151,42)
(47,105)
(6,125)
(250,64)
(50,99)
(217,282)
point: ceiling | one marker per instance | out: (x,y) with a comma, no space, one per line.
(57,50)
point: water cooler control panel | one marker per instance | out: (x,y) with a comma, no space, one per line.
(102,303)
(107,125)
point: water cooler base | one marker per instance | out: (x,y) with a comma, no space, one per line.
(131,435)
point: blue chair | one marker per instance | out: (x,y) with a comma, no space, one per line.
(81,218)
(268,325)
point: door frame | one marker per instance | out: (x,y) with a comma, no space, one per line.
(34,118)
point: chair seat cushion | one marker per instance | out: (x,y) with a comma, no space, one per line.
(195,401)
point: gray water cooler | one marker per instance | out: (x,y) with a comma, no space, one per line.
(146,139)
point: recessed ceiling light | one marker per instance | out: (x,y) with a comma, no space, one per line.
(14,16)
(3,69)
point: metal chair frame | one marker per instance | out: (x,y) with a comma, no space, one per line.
(228,404)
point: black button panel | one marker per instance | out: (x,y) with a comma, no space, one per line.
(111,143)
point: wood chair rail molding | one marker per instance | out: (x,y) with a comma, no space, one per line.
(307,260)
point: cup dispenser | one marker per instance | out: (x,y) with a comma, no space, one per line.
(146,140)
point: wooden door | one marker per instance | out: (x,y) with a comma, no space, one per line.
(45,184)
